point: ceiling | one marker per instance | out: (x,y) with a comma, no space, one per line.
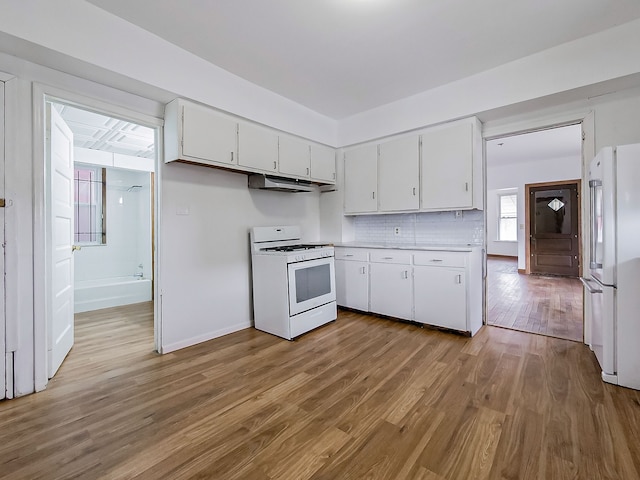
(563,142)
(100,132)
(342,57)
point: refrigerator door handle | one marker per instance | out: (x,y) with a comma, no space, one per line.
(588,286)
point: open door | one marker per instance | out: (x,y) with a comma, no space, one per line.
(59,144)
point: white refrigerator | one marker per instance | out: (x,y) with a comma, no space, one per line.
(613,283)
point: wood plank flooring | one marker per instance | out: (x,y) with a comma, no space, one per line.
(361,398)
(533,303)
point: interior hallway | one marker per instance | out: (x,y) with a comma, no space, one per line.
(533,303)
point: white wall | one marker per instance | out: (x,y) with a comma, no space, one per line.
(128,230)
(595,59)
(205,255)
(516,176)
(85,32)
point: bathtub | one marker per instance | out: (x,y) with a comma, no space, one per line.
(110,292)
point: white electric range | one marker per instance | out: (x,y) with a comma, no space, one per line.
(294,288)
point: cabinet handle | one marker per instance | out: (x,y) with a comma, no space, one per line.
(349,255)
(275,165)
(334,175)
(466,186)
(373,195)
(414,191)
(387,258)
(363,271)
(231,157)
(458,279)
(436,260)
(307,170)
(405,274)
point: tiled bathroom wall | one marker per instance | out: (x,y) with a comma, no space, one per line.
(445,228)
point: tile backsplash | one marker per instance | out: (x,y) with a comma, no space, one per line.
(427,227)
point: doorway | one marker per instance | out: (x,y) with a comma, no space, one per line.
(101,217)
(538,164)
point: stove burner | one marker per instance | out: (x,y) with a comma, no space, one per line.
(293,248)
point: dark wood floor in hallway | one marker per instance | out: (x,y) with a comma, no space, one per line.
(362,397)
(533,303)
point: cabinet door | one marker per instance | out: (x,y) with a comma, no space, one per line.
(294,157)
(391,290)
(208,135)
(447,168)
(361,179)
(257,148)
(398,175)
(323,163)
(352,284)
(440,297)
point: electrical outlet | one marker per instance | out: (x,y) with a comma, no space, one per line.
(396,231)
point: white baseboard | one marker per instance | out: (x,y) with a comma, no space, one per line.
(205,337)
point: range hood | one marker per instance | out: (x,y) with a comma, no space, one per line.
(266,182)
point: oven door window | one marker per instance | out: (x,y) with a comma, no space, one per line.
(311,284)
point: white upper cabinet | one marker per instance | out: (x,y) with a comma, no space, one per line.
(361,179)
(199,134)
(257,148)
(451,173)
(323,163)
(295,157)
(398,175)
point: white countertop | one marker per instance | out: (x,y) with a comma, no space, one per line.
(411,246)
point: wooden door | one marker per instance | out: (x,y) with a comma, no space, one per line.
(60,154)
(554,238)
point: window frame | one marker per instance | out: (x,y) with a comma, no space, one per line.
(500,215)
(103,206)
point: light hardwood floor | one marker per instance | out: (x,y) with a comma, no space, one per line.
(533,303)
(363,397)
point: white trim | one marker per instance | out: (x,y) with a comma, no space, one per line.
(205,337)
(533,124)
(41,94)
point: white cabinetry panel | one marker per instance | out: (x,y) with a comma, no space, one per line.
(294,157)
(398,175)
(323,163)
(352,284)
(391,292)
(361,179)
(440,297)
(447,168)
(208,135)
(257,148)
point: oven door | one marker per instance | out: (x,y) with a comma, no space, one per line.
(311,284)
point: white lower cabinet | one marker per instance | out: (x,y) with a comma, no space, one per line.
(391,292)
(434,287)
(440,297)
(352,284)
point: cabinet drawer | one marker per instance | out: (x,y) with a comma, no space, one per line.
(356,254)
(440,259)
(390,256)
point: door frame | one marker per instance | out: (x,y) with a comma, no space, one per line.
(527,219)
(41,94)
(541,121)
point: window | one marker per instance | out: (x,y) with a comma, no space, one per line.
(508,217)
(89,202)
